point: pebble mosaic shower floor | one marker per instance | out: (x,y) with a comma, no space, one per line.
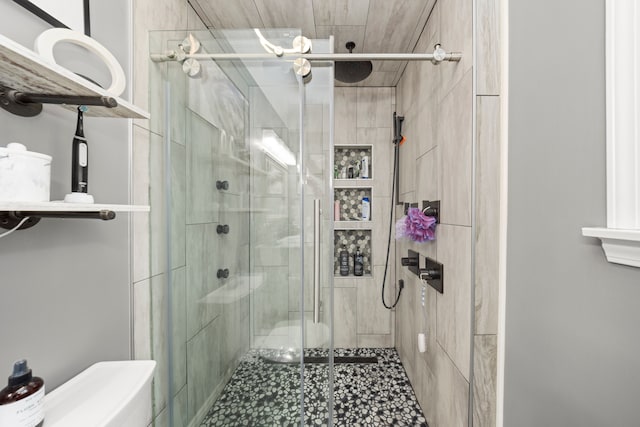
(265,394)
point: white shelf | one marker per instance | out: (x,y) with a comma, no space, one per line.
(24,70)
(338,278)
(353,183)
(620,246)
(68,207)
(352,225)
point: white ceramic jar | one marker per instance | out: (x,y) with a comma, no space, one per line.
(25,176)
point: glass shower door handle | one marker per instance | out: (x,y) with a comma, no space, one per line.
(316,261)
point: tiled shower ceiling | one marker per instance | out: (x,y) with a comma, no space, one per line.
(376,26)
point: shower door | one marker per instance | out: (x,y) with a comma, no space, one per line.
(245,156)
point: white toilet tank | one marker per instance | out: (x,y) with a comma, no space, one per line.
(107,394)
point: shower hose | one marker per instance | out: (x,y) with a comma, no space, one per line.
(386,264)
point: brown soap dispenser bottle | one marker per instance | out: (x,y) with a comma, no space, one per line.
(22,401)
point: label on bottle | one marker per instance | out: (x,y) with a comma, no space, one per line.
(27,412)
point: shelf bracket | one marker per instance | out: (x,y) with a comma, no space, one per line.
(11,219)
(30,104)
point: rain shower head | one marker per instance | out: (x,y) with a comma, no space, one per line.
(352,71)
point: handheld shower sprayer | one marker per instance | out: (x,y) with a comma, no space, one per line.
(397,129)
(398,140)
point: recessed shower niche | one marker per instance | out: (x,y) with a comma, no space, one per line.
(351,240)
(350,200)
(349,164)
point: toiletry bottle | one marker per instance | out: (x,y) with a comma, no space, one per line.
(336,210)
(80,158)
(358,263)
(350,172)
(366,209)
(364,167)
(343,173)
(344,261)
(336,173)
(22,401)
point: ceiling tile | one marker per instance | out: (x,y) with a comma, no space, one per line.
(342,34)
(391,24)
(340,12)
(222,14)
(288,14)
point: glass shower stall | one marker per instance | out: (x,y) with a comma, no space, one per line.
(242,154)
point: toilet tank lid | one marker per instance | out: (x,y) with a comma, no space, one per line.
(98,393)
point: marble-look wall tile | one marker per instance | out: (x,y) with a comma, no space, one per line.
(456,35)
(455,141)
(373,318)
(487,214)
(236,333)
(427,177)
(488,47)
(157,216)
(203,140)
(425,322)
(405,315)
(159,301)
(374,107)
(344,321)
(158,342)
(141,250)
(375,341)
(345,111)
(203,369)
(142,320)
(141,220)
(381,157)
(271,305)
(151,15)
(484,380)
(179,326)
(452,393)
(453,306)
(236,243)
(408,152)
(203,262)
(178,205)
(179,415)
(294,278)
(427,121)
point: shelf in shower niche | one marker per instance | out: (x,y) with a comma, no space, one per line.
(352,155)
(25,71)
(352,183)
(352,225)
(343,280)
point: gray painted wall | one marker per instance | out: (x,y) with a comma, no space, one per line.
(572,347)
(64,295)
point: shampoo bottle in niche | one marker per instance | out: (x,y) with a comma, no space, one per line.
(22,401)
(79,164)
(364,167)
(358,263)
(366,209)
(344,261)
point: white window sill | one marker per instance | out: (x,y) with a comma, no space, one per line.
(620,246)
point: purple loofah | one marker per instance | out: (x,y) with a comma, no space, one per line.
(419,227)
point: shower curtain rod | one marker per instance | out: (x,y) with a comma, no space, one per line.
(434,57)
